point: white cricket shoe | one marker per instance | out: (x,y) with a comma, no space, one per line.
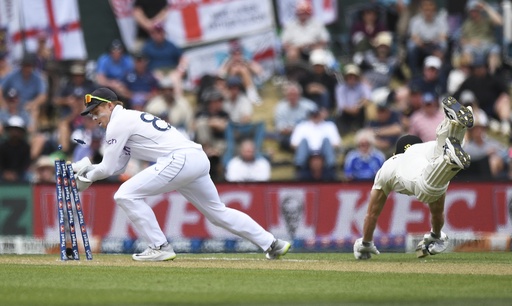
(277,249)
(163,253)
(453,150)
(458,112)
(364,250)
(432,245)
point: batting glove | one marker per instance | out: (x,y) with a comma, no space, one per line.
(364,250)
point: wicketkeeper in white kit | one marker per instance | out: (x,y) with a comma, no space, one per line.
(179,164)
(423,170)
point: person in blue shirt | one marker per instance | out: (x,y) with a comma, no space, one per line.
(29,85)
(161,53)
(363,162)
(141,85)
(113,66)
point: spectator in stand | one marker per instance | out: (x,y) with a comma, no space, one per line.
(247,166)
(15,152)
(430,80)
(5,68)
(12,108)
(320,84)
(386,126)
(113,66)
(460,72)
(31,88)
(319,139)
(365,28)
(140,84)
(289,111)
(478,36)
(44,170)
(424,122)
(172,107)
(210,125)
(492,94)
(69,103)
(236,103)
(378,64)
(489,157)
(165,59)
(303,34)
(43,53)
(351,98)
(240,65)
(147,14)
(363,162)
(428,35)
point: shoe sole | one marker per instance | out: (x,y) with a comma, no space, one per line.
(282,252)
(458,112)
(154,259)
(461,158)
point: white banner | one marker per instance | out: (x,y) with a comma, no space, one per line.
(58,20)
(325,11)
(207,59)
(201,21)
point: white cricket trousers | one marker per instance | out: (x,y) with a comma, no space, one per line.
(186,171)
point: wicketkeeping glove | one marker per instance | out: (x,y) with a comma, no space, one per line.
(82,183)
(79,165)
(364,251)
(83,172)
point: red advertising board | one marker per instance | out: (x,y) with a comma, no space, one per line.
(289,210)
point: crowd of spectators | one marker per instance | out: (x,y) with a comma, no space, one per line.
(338,118)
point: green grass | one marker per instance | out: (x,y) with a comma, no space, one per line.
(236,279)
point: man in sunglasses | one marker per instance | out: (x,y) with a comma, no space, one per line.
(178,164)
(423,170)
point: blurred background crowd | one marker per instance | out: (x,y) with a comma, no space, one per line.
(332,113)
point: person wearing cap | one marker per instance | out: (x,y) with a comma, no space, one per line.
(141,85)
(172,107)
(386,126)
(44,170)
(14,152)
(492,94)
(11,99)
(431,78)
(366,26)
(68,103)
(364,161)
(428,35)
(113,66)
(478,33)
(352,97)
(236,102)
(379,64)
(177,164)
(240,64)
(30,85)
(210,130)
(424,170)
(319,83)
(303,34)
(423,122)
(315,135)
